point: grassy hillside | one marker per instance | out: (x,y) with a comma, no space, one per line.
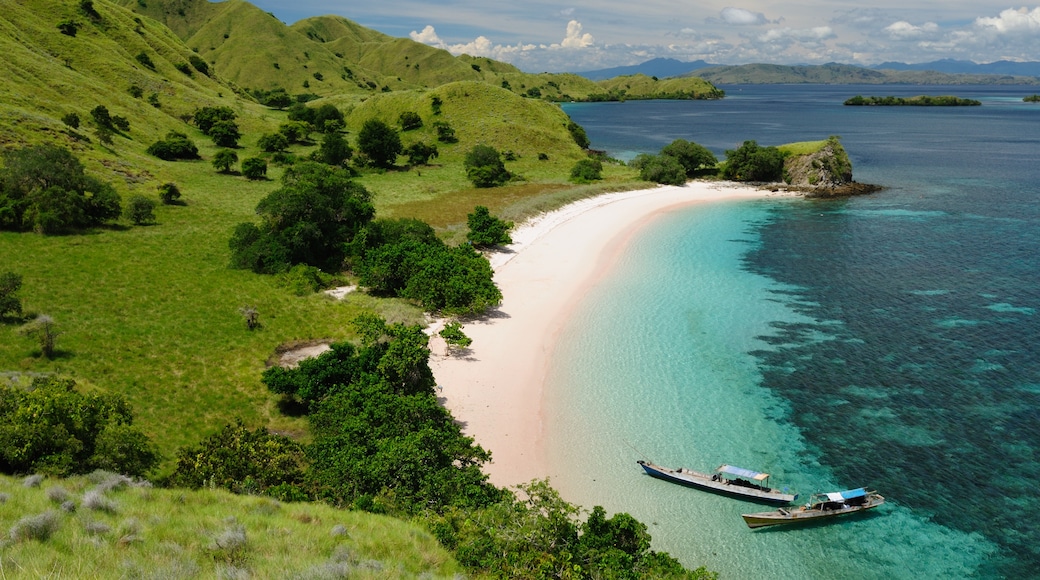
(104,527)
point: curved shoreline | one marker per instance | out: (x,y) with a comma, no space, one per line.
(495,389)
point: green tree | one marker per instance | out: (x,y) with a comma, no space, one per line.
(169,193)
(243,461)
(224,160)
(144,59)
(225,134)
(587,170)
(696,159)
(272,142)
(308,220)
(749,162)
(101,116)
(420,153)
(484,167)
(294,131)
(44,330)
(578,134)
(140,210)
(445,132)
(327,119)
(10,303)
(334,150)
(175,146)
(410,120)
(486,229)
(206,117)
(380,143)
(46,189)
(659,169)
(254,168)
(53,429)
(71,120)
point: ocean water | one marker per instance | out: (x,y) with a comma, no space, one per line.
(887,341)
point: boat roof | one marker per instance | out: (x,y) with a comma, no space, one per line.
(847,494)
(741,472)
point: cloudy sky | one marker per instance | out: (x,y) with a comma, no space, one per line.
(547,35)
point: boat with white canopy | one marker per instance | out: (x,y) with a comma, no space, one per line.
(820,506)
(726,479)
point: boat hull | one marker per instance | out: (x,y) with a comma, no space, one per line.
(804,516)
(704,481)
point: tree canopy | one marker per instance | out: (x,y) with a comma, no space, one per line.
(380,143)
(750,162)
(484,167)
(486,229)
(695,159)
(308,220)
(45,188)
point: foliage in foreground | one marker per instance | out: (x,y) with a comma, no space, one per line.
(107,526)
(486,229)
(52,428)
(539,535)
(750,162)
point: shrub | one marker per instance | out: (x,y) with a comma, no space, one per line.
(144,59)
(44,330)
(175,146)
(225,134)
(57,494)
(169,193)
(224,160)
(660,169)
(445,132)
(410,120)
(10,303)
(68,27)
(420,153)
(486,229)
(136,91)
(96,500)
(206,117)
(578,134)
(272,142)
(140,210)
(694,158)
(230,546)
(71,120)
(199,64)
(334,150)
(587,170)
(749,162)
(327,118)
(39,527)
(454,337)
(484,167)
(251,315)
(254,168)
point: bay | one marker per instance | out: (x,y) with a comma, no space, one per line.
(887,340)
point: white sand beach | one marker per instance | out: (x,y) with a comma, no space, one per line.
(495,388)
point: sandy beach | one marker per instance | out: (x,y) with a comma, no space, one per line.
(495,388)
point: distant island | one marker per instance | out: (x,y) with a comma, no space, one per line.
(918,101)
(1032,99)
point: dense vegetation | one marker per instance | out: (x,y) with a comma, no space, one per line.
(918,101)
(1031,99)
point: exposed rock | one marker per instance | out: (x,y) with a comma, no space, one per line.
(826,172)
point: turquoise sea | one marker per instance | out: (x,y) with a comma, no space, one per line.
(887,341)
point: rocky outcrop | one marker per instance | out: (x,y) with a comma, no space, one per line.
(826,172)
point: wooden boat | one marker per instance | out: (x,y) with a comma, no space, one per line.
(820,506)
(727,479)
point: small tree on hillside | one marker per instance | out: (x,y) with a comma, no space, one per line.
(334,150)
(225,134)
(44,330)
(224,160)
(484,167)
(140,210)
(380,143)
(255,168)
(410,120)
(445,132)
(486,229)
(659,169)
(420,153)
(206,117)
(587,170)
(169,193)
(272,142)
(10,304)
(578,134)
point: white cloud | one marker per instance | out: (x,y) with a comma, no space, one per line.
(814,34)
(1010,20)
(741,17)
(427,36)
(904,29)
(575,38)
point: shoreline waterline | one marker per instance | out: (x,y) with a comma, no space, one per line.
(496,388)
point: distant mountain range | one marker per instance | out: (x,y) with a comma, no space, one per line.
(946,71)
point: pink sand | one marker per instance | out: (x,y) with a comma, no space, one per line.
(496,388)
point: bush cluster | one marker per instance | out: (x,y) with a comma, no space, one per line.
(750,162)
(484,167)
(175,146)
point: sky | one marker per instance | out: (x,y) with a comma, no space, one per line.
(581,35)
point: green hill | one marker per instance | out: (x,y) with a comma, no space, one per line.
(105,526)
(844,74)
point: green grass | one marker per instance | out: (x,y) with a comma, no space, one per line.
(158,533)
(802,148)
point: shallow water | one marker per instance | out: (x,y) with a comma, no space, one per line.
(886,341)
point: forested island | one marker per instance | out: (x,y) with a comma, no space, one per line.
(918,101)
(1032,99)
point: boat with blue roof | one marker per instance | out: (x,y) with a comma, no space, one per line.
(726,479)
(820,506)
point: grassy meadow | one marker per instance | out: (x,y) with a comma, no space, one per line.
(105,526)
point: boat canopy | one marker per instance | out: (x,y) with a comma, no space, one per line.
(741,472)
(847,494)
